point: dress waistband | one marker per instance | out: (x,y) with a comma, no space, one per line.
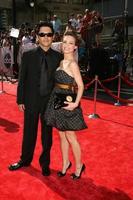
(65,86)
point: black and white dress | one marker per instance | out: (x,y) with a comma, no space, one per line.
(63,119)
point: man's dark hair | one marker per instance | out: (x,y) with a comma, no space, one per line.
(44,24)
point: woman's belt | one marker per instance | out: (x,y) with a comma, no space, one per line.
(65,86)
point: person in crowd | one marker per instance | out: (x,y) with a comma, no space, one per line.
(73,21)
(26,38)
(79,22)
(118,32)
(69,26)
(125,60)
(33,36)
(87,17)
(87,31)
(57,37)
(68,118)
(99,62)
(82,54)
(85,23)
(118,58)
(57,24)
(98,26)
(35,85)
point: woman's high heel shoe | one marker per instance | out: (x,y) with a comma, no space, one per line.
(60,174)
(75,177)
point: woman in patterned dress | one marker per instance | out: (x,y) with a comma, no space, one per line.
(69,118)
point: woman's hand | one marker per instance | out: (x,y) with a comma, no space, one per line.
(70,106)
(21,107)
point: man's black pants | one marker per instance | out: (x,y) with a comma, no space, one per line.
(30,136)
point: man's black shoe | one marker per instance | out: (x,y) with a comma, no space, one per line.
(16,166)
(46,171)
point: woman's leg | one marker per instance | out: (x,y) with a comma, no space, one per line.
(98,39)
(71,136)
(64,150)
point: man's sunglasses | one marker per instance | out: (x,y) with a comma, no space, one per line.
(45,34)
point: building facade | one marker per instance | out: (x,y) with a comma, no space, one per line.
(17,12)
(32,11)
(112,10)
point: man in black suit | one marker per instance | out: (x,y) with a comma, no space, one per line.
(36,81)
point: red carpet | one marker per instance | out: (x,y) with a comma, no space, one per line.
(107,148)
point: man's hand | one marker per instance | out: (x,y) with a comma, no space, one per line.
(21,107)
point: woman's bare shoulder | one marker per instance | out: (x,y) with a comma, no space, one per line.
(73,64)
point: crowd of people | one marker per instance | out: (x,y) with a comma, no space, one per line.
(88,26)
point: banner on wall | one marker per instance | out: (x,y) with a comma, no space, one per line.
(24,48)
(6,60)
(14,32)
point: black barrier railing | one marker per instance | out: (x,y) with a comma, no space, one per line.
(2,80)
(108,91)
(89,84)
(94,115)
(126,81)
(119,90)
(109,79)
(10,79)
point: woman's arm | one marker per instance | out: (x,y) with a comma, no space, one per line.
(74,68)
(78,79)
